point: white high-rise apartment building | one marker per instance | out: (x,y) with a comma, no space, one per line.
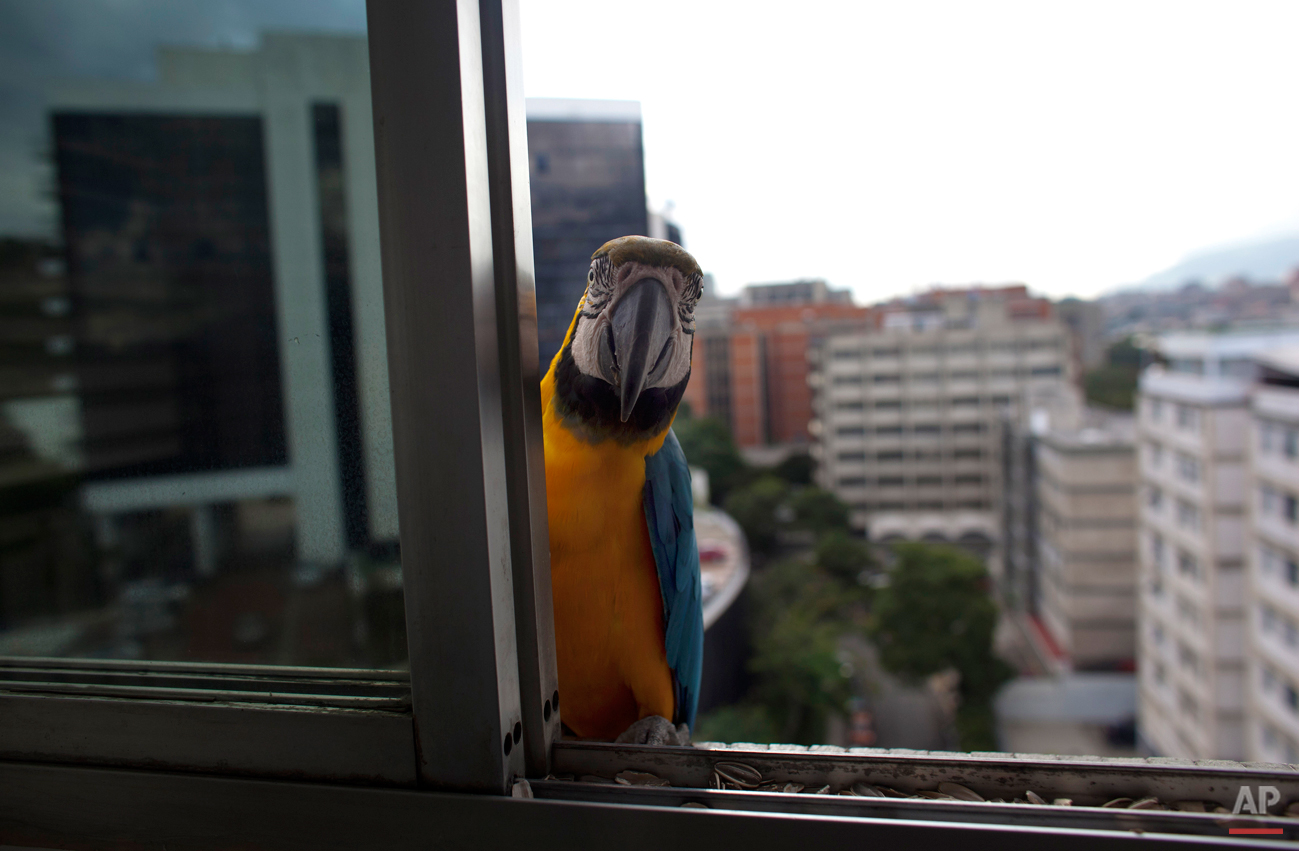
(1272,559)
(1197,488)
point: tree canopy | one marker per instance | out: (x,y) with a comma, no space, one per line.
(1114,383)
(707,443)
(936,614)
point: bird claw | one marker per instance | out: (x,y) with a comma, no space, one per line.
(655,730)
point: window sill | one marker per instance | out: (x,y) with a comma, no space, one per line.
(1088,782)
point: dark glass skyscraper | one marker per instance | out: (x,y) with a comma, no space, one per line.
(587,172)
(168,249)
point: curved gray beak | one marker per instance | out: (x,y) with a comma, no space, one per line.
(637,348)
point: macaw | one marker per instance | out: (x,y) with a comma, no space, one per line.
(624,565)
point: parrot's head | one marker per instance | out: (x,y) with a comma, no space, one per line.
(625,365)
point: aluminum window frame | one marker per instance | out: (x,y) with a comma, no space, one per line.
(455,238)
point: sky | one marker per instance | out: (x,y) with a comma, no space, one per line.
(889,146)
(884,146)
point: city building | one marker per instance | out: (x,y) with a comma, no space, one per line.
(1085,585)
(1238,303)
(1015,572)
(224,371)
(1196,488)
(1272,561)
(45,569)
(793,294)
(587,178)
(221,234)
(1086,323)
(751,360)
(908,415)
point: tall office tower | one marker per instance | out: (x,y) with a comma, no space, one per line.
(170,266)
(1194,418)
(1086,546)
(908,414)
(587,176)
(1272,561)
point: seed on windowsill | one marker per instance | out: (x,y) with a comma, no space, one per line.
(1150,803)
(695,805)
(934,796)
(1063,802)
(893,793)
(959,792)
(595,778)
(639,778)
(1034,798)
(792,788)
(824,790)
(744,776)
(1118,804)
(865,790)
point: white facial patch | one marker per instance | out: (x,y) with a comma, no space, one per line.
(585,341)
(586,336)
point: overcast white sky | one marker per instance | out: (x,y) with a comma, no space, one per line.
(886,146)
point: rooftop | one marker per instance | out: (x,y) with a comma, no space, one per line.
(1226,344)
(566,109)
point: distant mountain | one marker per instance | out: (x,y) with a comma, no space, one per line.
(1265,260)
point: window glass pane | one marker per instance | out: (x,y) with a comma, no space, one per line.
(198,454)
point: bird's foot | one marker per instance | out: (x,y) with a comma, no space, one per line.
(655,730)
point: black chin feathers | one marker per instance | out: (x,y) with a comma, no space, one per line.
(590,407)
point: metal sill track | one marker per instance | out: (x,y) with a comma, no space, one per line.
(589,771)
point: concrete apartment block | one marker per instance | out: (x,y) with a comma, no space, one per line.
(1191,654)
(1208,506)
(1086,546)
(908,415)
(1272,563)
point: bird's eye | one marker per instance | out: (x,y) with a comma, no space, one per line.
(590,277)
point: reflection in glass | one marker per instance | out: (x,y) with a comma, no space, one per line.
(197,454)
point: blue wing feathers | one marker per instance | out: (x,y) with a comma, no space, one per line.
(669,514)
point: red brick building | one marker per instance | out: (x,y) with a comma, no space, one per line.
(752,369)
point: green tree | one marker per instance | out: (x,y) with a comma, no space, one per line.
(936,614)
(707,443)
(1114,383)
(741,722)
(842,556)
(757,509)
(797,621)
(797,469)
(818,510)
